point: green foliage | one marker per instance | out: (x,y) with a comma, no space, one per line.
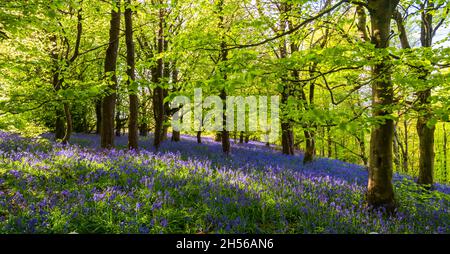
(23,124)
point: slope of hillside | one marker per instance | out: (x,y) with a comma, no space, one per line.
(191,188)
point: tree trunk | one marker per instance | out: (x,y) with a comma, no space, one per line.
(241,137)
(287,133)
(397,150)
(287,143)
(158,93)
(247,138)
(402,30)
(117,120)
(59,113)
(158,108)
(380,189)
(133,137)
(329,144)
(166,76)
(98,116)
(199,137)
(165,127)
(59,124)
(405,153)
(426,132)
(85,124)
(69,125)
(60,131)
(426,142)
(362,23)
(226,148)
(322,142)
(143,129)
(175,136)
(218,137)
(58,79)
(310,148)
(109,101)
(362,149)
(364,36)
(309,136)
(405,45)
(143,124)
(336,151)
(445,152)
(68,115)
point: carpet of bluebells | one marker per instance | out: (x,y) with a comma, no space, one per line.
(186,187)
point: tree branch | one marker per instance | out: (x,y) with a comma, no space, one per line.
(294,29)
(79,33)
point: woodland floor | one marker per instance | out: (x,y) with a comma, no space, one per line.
(191,188)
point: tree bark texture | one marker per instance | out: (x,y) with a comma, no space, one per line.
(109,101)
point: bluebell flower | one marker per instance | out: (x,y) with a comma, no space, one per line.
(156,205)
(164,222)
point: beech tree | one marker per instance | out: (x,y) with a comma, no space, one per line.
(380,189)
(109,101)
(131,73)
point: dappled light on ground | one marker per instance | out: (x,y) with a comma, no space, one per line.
(191,188)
